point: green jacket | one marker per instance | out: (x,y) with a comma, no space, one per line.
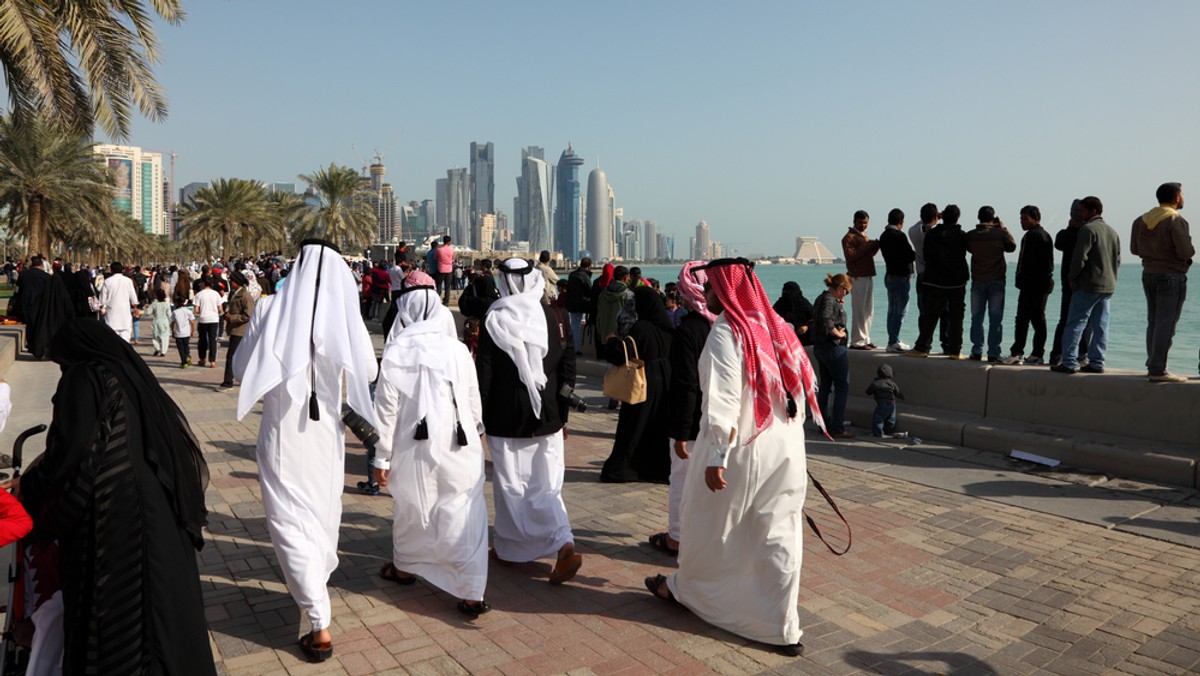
(1097,258)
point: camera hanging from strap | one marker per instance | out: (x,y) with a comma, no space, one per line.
(813,524)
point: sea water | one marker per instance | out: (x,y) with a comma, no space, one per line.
(1126,328)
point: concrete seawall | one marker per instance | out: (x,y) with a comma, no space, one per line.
(1117,422)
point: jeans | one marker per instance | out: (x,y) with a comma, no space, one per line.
(947,307)
(577,330)
(1088,310)
(137,328)
(989,296)
(1031,309)
(833,373)
(1063,309)
(884,420)
(897,292)
(206,343)
(1165,294)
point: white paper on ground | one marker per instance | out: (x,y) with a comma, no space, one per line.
(1032,457)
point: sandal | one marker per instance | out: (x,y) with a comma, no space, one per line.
(791,650)
(660,582)
(567,566)
(660,542)
(315,652)
(390,573)
(473,609)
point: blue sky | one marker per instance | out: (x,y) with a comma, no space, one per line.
(769,120)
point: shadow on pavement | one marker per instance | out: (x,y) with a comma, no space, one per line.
(919,663)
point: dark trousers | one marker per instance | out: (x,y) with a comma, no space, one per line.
(1165,294)
(233,344)
(184,345)
(884,420)
(1031,309)
(206,343)
(919,287)
(443,282)
(833,373)
(947,307)
(1064,308)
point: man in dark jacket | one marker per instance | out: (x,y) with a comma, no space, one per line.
(1161,238)
(898,257)
(860,251)
(988,243)
(522,370)
(30,284)
(945,283)
(1093,279)
(1035,281)
(579,299)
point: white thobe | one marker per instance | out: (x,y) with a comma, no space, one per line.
(118,298)
(301,465)
(439,516)
(740,548)
(527,480)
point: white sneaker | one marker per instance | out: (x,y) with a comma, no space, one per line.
(898,347)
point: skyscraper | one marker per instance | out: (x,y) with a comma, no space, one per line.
(567,211)
(535,194)
(458,205)
(385,203)
(599,216)
(703,243)
(650,242)
(483,184)
(137,190)
(441,196)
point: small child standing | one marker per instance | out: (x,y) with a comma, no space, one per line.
(159,314)
(183,324)
(886,392)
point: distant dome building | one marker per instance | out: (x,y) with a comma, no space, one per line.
(810,251)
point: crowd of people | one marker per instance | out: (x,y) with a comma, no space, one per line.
(728,388)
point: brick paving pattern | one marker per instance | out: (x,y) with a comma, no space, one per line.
(936,582)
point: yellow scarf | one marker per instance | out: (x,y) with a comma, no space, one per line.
(1157,215)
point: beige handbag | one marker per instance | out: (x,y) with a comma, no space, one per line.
(627,382)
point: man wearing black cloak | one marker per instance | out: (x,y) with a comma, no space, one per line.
(121,488)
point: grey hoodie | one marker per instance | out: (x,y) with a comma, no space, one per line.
(883,387)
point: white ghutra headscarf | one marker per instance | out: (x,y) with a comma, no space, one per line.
(517,323)
(300,324)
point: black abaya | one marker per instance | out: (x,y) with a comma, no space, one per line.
(641,450)
(121,488)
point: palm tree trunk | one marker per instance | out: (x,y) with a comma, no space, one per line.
(35,212)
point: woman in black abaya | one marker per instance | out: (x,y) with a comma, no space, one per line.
(121,488)
(641,450)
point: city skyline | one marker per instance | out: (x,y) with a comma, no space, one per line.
(770,122)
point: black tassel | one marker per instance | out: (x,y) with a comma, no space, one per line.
(314,409)
(791,406)
(422,431)
(462,436)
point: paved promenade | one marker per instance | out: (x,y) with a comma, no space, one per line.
(962,562)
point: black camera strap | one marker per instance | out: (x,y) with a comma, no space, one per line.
(813,524)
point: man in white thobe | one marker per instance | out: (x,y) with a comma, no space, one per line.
(118,299)
(294,356)
(429,451)
(740,543)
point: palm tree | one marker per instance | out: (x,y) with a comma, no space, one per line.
(83,62)
(226,211)
(285,213)
(51,182)
(345,216)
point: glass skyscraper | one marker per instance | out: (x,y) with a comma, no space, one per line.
(568,205)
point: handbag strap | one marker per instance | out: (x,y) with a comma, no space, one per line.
(813,524)
(631,342)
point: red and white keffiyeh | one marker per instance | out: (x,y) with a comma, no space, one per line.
(776,364)
(691,289)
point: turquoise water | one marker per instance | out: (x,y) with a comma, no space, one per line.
(1126,330)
